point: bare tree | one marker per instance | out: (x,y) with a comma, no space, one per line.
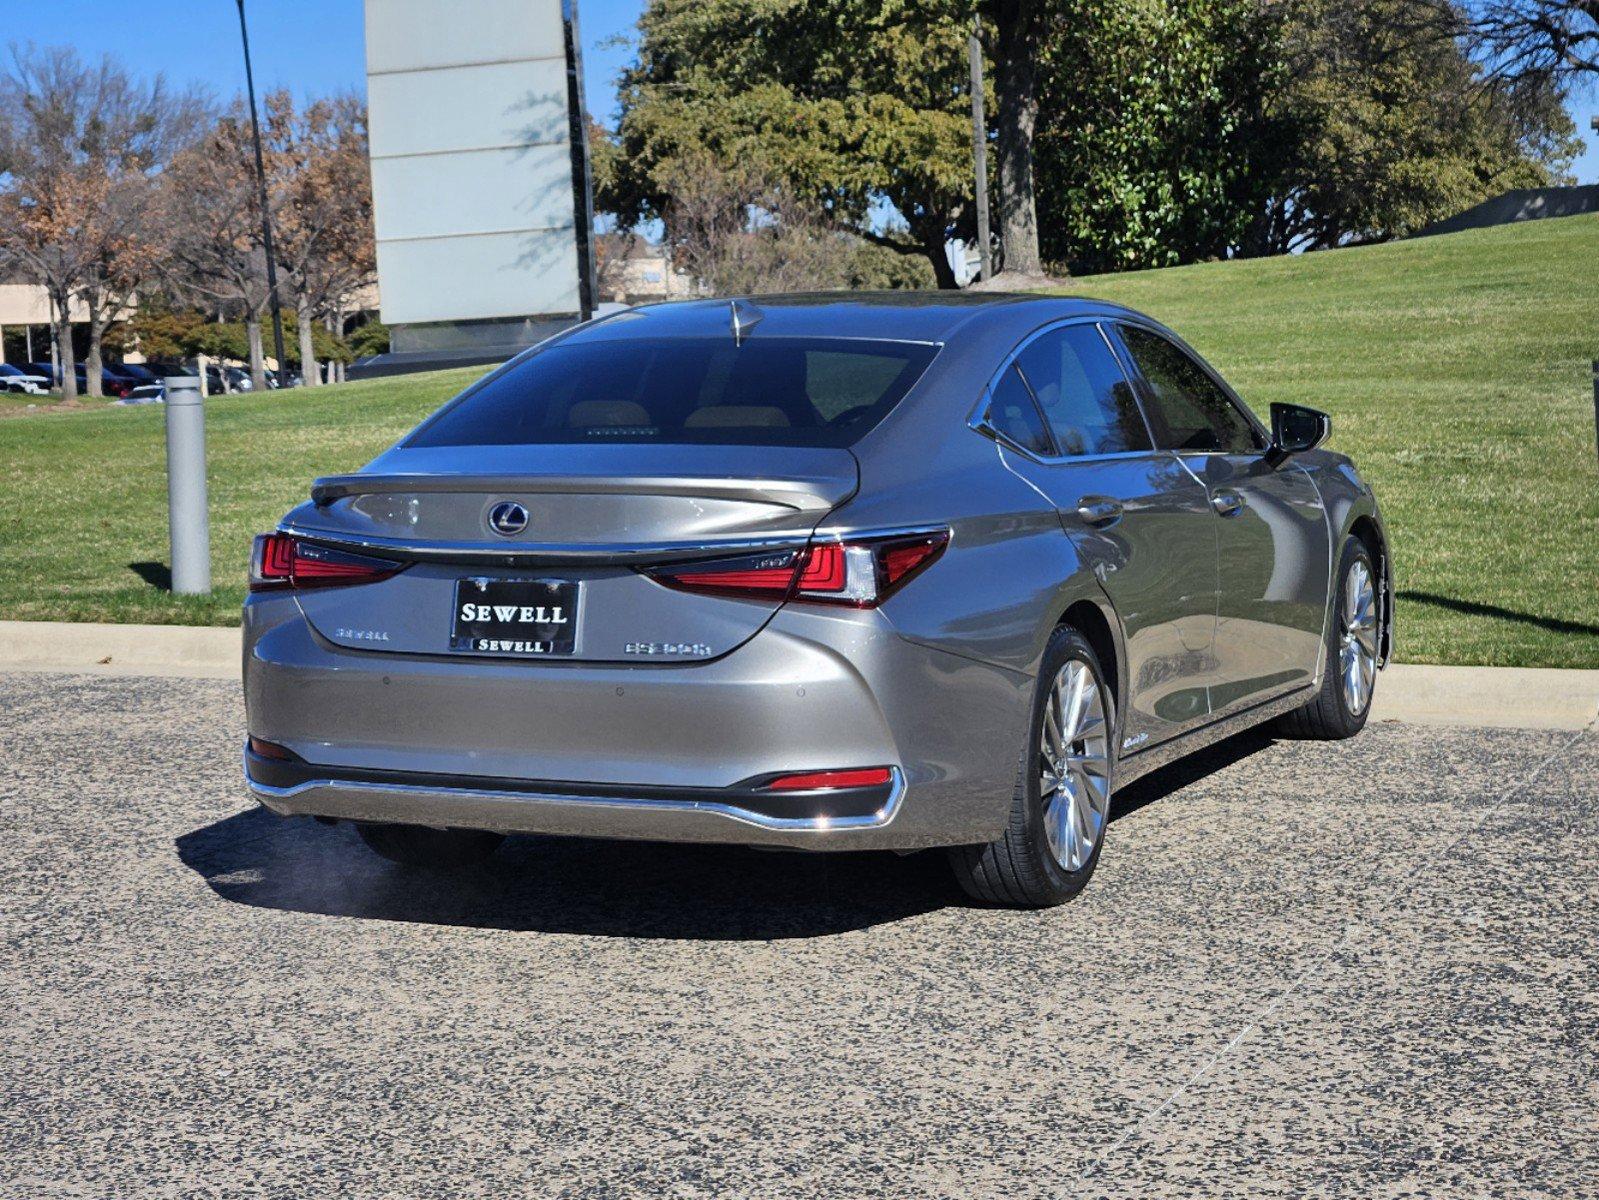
(1554,40)
(738,232)
(323,218)
(82,147)
(216,255)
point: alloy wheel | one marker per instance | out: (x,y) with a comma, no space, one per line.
(1357,639)
(1074,765)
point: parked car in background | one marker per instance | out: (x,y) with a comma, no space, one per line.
(832,572)
(16,379)
(44,370)
(147,385)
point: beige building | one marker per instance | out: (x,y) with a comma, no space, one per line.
(26,308)
(632,271)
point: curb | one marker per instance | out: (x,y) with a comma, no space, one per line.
(1487,697)
(182,650)
(1417,694)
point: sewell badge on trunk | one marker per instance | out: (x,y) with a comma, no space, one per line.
(518,617)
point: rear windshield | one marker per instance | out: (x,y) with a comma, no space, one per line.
(697,391)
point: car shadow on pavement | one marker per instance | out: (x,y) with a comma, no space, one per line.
(608,888)
(568,885)
(1178,775)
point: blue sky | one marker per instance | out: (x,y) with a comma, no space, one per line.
(315,46)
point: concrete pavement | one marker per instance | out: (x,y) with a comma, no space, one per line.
(1361,969)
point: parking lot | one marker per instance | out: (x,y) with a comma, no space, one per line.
(1365,969)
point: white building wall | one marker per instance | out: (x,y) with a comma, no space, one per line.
(471,159)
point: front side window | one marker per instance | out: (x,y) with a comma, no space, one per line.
(1188,410)
(685,391)
(1085,396)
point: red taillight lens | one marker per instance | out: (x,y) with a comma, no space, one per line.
(283,561)
(812,781)
(753,575)
(860,573)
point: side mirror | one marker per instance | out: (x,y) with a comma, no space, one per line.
(1294,430)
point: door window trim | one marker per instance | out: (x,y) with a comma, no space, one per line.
(1146,391)
(978,420)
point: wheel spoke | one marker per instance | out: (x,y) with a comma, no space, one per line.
(1076,702)
(1074,764)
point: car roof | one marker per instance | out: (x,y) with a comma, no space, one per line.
(924,316)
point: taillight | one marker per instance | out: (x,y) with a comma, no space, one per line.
(861,573)
(281,560)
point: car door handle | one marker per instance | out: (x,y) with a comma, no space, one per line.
(1099,511)
(1227,502)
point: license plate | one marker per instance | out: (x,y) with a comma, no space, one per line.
(529,618)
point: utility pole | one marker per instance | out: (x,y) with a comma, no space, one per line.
(980,146)
(266,212)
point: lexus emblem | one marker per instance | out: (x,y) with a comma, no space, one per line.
(508,518)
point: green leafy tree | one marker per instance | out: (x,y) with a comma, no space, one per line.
(848,105)
(1398,126)
(1175,131)
(1157,143)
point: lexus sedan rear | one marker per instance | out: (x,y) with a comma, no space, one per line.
(832,572)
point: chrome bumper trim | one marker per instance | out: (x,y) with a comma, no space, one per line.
(541,812)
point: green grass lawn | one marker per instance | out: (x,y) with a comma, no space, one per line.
(83,522)
(1456,369)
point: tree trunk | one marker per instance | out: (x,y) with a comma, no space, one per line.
(91,361)
(937,251)
(65,361)
(308,367)
(1015,88)
(252,326)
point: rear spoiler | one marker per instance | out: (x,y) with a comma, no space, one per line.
(796,492)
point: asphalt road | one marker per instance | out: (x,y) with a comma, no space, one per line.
(1363,970)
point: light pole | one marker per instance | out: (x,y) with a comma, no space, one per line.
(266,214)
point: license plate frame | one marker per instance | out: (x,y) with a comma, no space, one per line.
(525,618)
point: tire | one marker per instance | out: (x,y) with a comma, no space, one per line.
(419,846)
(1338,711)
(1032,866)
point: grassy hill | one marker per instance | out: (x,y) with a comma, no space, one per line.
(1456,369)
(1458,372)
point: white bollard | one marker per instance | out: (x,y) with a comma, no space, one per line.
(189,522)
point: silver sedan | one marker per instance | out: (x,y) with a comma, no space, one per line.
(826,572)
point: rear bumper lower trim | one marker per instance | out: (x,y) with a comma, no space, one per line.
(510,810)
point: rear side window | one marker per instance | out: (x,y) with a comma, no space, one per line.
(1188,410)
(694,391)
(1085,396)
(1013,415)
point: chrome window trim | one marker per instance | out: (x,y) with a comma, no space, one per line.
(547,800)
(978,419)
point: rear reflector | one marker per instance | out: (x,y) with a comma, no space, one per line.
(283,561)
(860,573)
(813,781)
(266,749)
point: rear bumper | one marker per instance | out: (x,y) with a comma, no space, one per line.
(650,814)
(654,752)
